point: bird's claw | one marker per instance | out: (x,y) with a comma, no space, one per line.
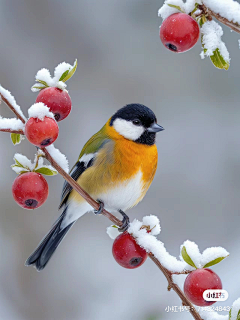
(125,222)
(101,207)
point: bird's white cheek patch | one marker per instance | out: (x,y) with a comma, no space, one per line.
(127,129)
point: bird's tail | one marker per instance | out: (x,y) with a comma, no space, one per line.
(40,257)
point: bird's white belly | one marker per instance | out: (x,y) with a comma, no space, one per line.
(123,196)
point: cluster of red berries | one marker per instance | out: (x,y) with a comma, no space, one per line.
(30,189)
(130,255)
(44,132)
(179,32)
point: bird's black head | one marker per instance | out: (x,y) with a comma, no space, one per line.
(136,122)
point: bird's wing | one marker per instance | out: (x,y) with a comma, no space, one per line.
(85,161)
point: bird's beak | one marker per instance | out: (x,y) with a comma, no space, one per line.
(155,128)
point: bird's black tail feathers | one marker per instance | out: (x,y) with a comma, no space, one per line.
(40,257)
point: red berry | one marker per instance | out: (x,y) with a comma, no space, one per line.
(57,100)
(127,252)
(41,133)
(179,32)
(30,190)
(197,282)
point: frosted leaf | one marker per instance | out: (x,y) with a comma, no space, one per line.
(211,40)
(192,251)
(212,254)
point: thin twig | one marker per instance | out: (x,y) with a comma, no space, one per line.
(12,131)
(116,221)
(12,108)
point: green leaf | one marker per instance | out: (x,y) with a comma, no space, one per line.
(16,138)
(64,75)
(23,171)
(38,87)
(114,226)
(71,72)
(176,7)
(230,315)
(213,262)
(46,171)
(187,258)
(218,60)
(44,83)
(18,164)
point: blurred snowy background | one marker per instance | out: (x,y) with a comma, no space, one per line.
(196,189)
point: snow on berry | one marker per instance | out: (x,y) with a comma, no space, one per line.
(12,124)
(39,110)
(10,98)
(211,40)
(59,157)
(170,7)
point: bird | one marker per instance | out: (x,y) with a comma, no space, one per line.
(116,167)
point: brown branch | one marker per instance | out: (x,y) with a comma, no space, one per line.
(209,13)
(116,221)
(12,131)
(12,108)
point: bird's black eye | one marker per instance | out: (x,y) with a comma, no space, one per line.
(137,122)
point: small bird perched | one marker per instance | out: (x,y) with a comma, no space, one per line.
(116,167)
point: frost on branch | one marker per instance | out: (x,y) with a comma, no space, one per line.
(207,315)
(63,72)
(59,157)
(40,110)
(213,46)
(170,7)
(10,98)
(228,9)
(13,124)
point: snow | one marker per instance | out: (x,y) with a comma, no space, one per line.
(12,124)
(228,9)
(8,96)
(213,253)
(151,244)
(239,43)
(44,75)
(235,309)
(211,39)
(40,110)
(59,157)
(154,224)
(188,6)
(60,69)
(193,252)
(25,162)
(212,315)
(113,232)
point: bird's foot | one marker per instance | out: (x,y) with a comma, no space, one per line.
(101,207)
(125,222)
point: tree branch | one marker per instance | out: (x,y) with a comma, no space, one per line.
(168,274)
(12,131)
(12,108)
(209,13)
